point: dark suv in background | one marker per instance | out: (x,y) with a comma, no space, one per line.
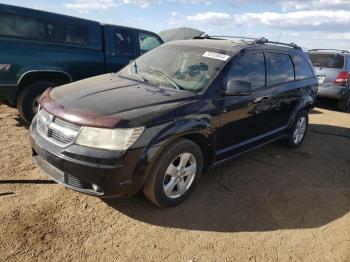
(171,114)
(40,50)
(332,69)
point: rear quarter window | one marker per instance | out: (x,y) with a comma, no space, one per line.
(327,60)
(280,68)
(302,68)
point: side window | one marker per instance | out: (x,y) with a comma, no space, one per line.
(148,42)
(124,44)
(281,68)
(302,68)
(22,27)
(249,67)
(36,29)
(70,34)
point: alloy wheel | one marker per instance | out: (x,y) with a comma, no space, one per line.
(179,175)
(299,130)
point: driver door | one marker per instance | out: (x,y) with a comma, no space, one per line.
(245,118)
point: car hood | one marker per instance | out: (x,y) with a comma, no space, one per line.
(109,101)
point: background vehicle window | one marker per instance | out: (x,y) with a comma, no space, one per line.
(327,60)
(71,34)
(148,42)
(302,68)
(42,30)
(124,43)
(22,27)
(249,67)
(281,68)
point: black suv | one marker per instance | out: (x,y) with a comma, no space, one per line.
(167,117)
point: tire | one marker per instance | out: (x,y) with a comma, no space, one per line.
(179,184)
(28,96)
(295,138)
(344,104)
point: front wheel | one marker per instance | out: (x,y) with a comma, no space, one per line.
(298,131)
(175,174)
(27,102)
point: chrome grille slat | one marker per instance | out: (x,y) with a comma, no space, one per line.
(55,129)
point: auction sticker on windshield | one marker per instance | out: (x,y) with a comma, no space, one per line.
(216,56)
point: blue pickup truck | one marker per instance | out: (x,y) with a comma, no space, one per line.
(40,49)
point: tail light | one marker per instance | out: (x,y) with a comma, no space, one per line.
(342,78)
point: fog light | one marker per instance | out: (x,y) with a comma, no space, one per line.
(95,187)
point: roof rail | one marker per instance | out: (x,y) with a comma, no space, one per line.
(325,49)
(253,40)
(235,37)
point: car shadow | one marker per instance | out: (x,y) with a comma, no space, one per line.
(329,104)
(271,188)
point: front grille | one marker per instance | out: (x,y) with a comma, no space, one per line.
(56,129)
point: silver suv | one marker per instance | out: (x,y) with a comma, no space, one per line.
(332,68)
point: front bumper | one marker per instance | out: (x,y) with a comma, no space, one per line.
(331,91)
(91,171)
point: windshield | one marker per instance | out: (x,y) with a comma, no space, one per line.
(327,60)
(181,67)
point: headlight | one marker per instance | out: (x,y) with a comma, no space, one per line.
(110,139)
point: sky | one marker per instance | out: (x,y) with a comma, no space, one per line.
(308,23)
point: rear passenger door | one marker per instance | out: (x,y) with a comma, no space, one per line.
(121,47)
(285,91)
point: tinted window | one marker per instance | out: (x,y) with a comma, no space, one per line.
(281,68)
(249,67)
(59,32)
(148,42)
(22,27)
(42,30)
(124,43)
(302,68)
(327,60)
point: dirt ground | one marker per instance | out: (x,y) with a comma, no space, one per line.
(273,204)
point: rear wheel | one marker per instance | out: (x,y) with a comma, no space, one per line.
(344,103)
(297,133)
(175,174)
(27,102)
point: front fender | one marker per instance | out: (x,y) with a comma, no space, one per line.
(165,136)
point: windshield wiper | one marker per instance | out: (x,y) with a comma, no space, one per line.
(138,75)
(176,85)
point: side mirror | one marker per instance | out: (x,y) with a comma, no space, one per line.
(237,87)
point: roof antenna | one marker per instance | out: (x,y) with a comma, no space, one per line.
(279,37)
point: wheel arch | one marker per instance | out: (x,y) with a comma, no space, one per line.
(32,76)
(306,103)
(201,136)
